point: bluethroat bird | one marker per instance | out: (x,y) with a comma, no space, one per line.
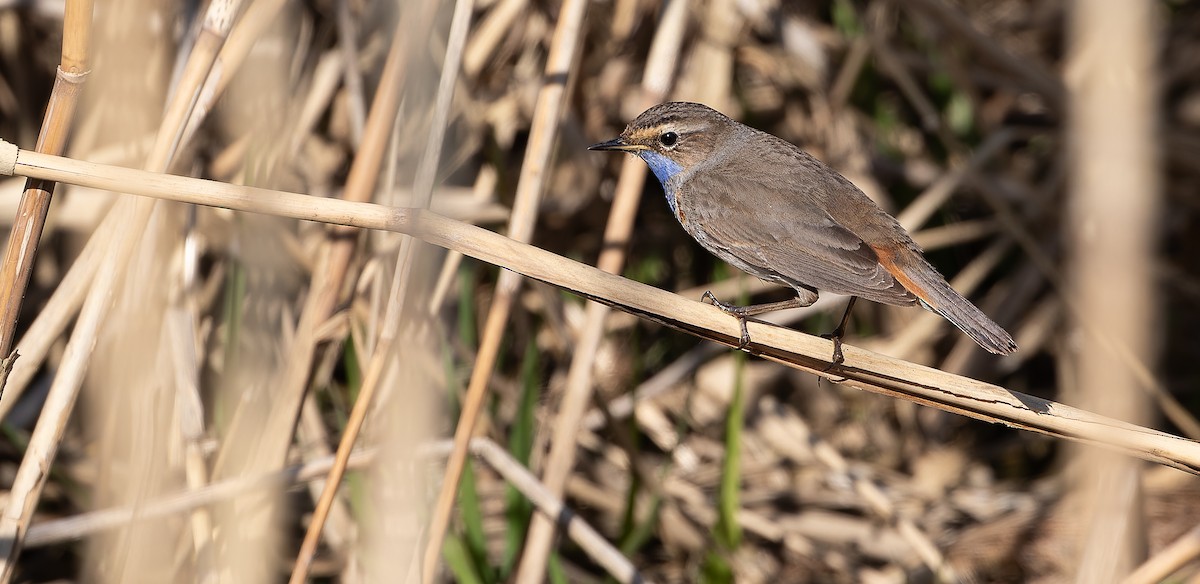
(772,210)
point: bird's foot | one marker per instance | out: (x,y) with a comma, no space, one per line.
(838,358)
(735,311)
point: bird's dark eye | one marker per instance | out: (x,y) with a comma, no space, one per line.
(668,139)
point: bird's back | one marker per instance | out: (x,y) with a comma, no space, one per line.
(779,213)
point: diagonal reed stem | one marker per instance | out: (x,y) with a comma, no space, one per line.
(862,369)
(550,104)
(17,265)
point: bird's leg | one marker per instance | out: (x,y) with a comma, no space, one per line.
(742,312)
(836,335)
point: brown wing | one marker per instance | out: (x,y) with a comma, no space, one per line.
(774,224)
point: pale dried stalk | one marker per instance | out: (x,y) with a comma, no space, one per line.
(86,524)
(1159,567)
(382,355)
(1116,348)
(189,411)
(547,114)
(17,265)
(251,27)
(1114,153)
(274,434)
(862,369)
(656,81)
(551,506)
(65,302)
(43,445)
(494,27)
(93,522)
(351,75)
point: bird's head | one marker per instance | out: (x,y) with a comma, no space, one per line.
(672,137)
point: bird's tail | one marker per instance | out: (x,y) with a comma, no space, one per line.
(924,281)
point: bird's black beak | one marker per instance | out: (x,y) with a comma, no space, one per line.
(617,144)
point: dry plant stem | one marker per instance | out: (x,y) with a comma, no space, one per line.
(382,355)
(862,369)
(56,314)
(80,526)
(189,411)
(1113,238)
(275,433)
(552,506)
(1116,348)
(68,297)
(251,26)
(495,26)
(312,537)
(43,445)
(1159,568)
(656,81)
(548,111)
(85,524)
(17,265)
(578,392)
(350,73)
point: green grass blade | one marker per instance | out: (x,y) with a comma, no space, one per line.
(519,510)
(458,559)
(471,513)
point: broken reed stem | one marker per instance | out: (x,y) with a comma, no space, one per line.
(862,369)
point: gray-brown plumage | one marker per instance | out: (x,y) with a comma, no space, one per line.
(772,210)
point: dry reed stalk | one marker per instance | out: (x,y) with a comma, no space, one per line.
(43,445)
(482,192)
(274,434)
(1114,211)
(352,77)
(954,234)
(16,267)
(1162,565)
(551,505)
(401,287)
(251,27)
(1115,347)
(93,522)
(657,79)
(548,111)
(862,369)
(493,28)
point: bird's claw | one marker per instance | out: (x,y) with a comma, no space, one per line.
(838,358)
(744,340)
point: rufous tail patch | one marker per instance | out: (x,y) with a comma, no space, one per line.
(887,259)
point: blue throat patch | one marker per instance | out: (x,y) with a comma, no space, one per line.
(663,168)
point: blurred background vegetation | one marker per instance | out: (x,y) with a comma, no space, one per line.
(954,115)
